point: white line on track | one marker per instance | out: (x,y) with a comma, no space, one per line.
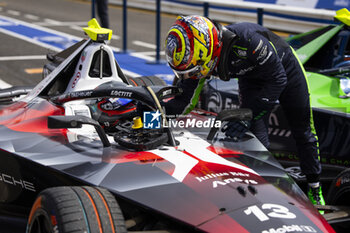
(12,12)
(4,84)
(31,17)
(74,25)
(30,40)
(18,58)
(144,44)
(51,23)
(151,53)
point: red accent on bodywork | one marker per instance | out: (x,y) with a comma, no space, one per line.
(223,224)
(25,118)
(143,157)
(224,152)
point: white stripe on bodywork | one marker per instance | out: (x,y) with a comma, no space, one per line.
(198,148)
(182,162)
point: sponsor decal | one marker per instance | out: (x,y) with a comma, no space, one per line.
(267,58)
(10,180)
(217,183)
(80,94)
(241,53)
(239,177)
(258,47)
(83,56)
(121,93)
(288,156)
(263,53)
(166,92)
(244,71)
(76,79)
(342,180)
(269,210)
(291,228)
(216,175)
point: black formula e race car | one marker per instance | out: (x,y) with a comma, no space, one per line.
(78,154)
(324,53)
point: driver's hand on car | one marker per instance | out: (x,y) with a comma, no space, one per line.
(236,129)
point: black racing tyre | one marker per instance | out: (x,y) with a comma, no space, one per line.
(75,210)
(147,81)
(339,191)
(338,195)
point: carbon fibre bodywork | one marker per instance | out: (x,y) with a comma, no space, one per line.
(185,184)
(210,186)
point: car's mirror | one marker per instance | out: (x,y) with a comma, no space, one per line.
(61,122)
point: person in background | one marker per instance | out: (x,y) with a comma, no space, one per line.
(268,73)
(102,12)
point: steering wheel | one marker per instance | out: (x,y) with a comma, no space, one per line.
(139,139)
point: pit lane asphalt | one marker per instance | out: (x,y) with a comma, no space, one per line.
(17,67)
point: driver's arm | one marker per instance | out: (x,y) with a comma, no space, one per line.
(184,103)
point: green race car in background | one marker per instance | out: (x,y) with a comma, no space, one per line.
(325,54)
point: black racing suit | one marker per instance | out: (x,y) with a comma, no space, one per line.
(268,72)
(102,11)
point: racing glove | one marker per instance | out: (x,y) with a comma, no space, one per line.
(236,129)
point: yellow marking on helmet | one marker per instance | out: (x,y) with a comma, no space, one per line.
(198,46)
(179,56)
(198,35)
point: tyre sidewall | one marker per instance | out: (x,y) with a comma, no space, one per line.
(47,209)
(339,187)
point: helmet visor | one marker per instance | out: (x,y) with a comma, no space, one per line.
(193,73)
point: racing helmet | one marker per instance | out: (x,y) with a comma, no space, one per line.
(193,46)
(110,111)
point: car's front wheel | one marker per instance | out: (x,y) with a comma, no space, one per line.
(75,209)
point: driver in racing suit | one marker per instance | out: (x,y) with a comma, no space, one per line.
(268,73)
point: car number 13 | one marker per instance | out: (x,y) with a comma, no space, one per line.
(269,210)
